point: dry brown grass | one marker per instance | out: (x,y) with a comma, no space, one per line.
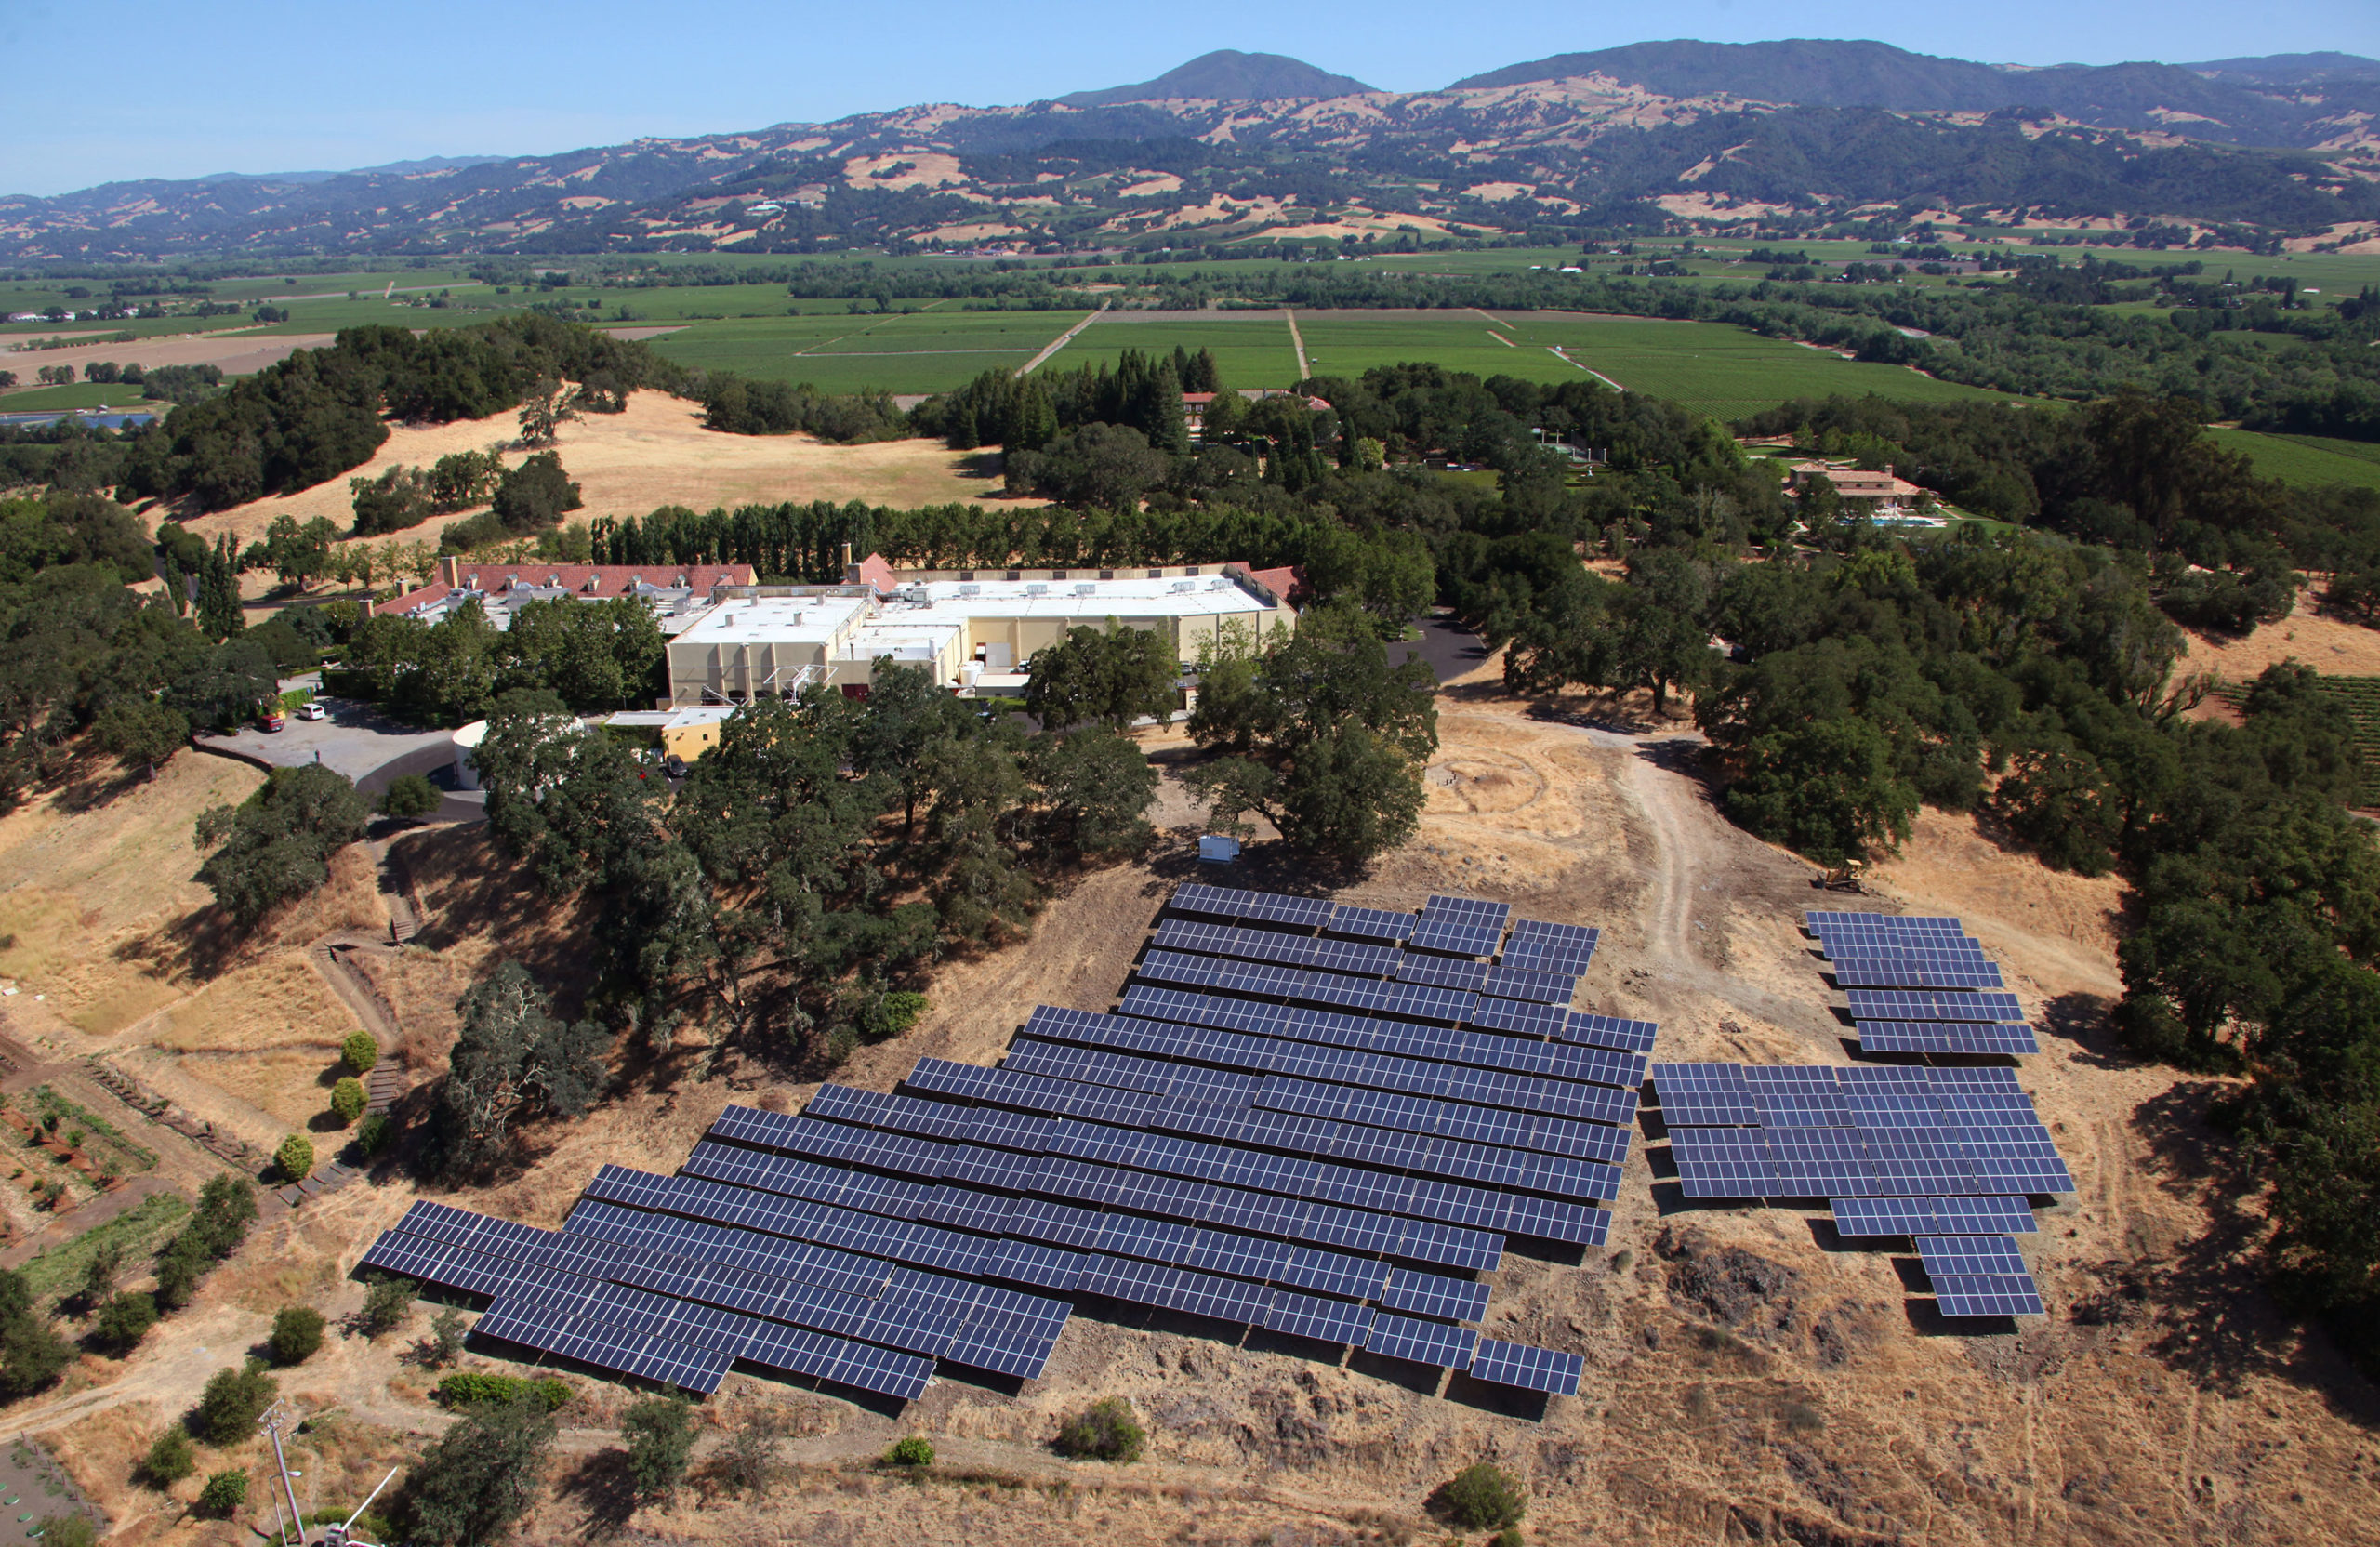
(656,452)
(2331,646)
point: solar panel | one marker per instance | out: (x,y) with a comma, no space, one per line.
(1512,1364)
(1466,975)
(1820,923)
(1541,956)
(1988,1295)
(1520,982)
(1423,1342)
(1582,936)
(573,1337)
(1956,1036)
(1220,902)
(1370,923)
(1464,937)
(1273,908)
(1308,1316)
(1430,1294)
(1970,1254)
(1905,1005)
(1871,972)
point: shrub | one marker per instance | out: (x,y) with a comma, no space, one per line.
(1106,1431)
(168,1460)
(234,1400)
(1509,1536)
(347,1098)
(386,1304)
(409,798)
(297,1333)
(660,1435)
(913,1450)
(296,1157)
(67,1530)
(465,1387)
(1483,1498)
(359,1052)
(372,1135)
(123,1321)
(447,1332)
(225,1491)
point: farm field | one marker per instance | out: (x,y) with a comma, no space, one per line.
(83,394)
(1252,349)
(2305,459)
(901,352)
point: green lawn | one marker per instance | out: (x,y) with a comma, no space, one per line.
(2305,459)
(83,394)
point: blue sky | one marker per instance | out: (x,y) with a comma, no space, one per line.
(260,86)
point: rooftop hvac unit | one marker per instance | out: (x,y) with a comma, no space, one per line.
(968,591)
(1180,586)
(1086,590)
(1219,584)
(1037,588)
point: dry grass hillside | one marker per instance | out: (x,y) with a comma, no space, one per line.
(656,452)
(1747,1380)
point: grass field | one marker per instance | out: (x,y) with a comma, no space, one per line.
(83,394)
(2302,458)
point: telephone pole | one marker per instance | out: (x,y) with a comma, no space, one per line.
(272,1422)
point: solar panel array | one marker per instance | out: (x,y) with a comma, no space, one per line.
(1920,985)
(1320,1121)
(1947,1158)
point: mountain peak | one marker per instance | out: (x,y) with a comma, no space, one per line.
(1226,76)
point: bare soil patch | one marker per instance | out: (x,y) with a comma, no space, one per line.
(240,353)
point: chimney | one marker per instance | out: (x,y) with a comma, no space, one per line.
(450,570)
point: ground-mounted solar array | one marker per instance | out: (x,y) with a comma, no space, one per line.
(1321,1122)
(1947,1158)
(1920,985)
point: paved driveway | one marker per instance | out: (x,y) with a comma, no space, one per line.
(366,745)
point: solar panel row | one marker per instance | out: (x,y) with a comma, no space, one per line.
(1874,972)
(616,1328)
(1933,1216)
(1294,1198)
(1819,923)
(1389,1056)
(1951,1036)
(1338,1100)
(1412,1000)
(1513,1213)
(1872,1004)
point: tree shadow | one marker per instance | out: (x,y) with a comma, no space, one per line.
(601,1485)
(2213,1318)
(2083,1019)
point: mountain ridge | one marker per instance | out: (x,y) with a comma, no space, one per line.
(1622,139)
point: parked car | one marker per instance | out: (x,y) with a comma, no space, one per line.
(311,709)
(273,719)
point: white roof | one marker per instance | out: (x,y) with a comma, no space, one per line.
(909,634)
(1088,599)
(774,620)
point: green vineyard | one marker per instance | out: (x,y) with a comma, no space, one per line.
(2358,699)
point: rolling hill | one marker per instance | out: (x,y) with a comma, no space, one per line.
(1791,136)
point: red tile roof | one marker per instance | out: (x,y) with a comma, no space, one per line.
(594,581)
